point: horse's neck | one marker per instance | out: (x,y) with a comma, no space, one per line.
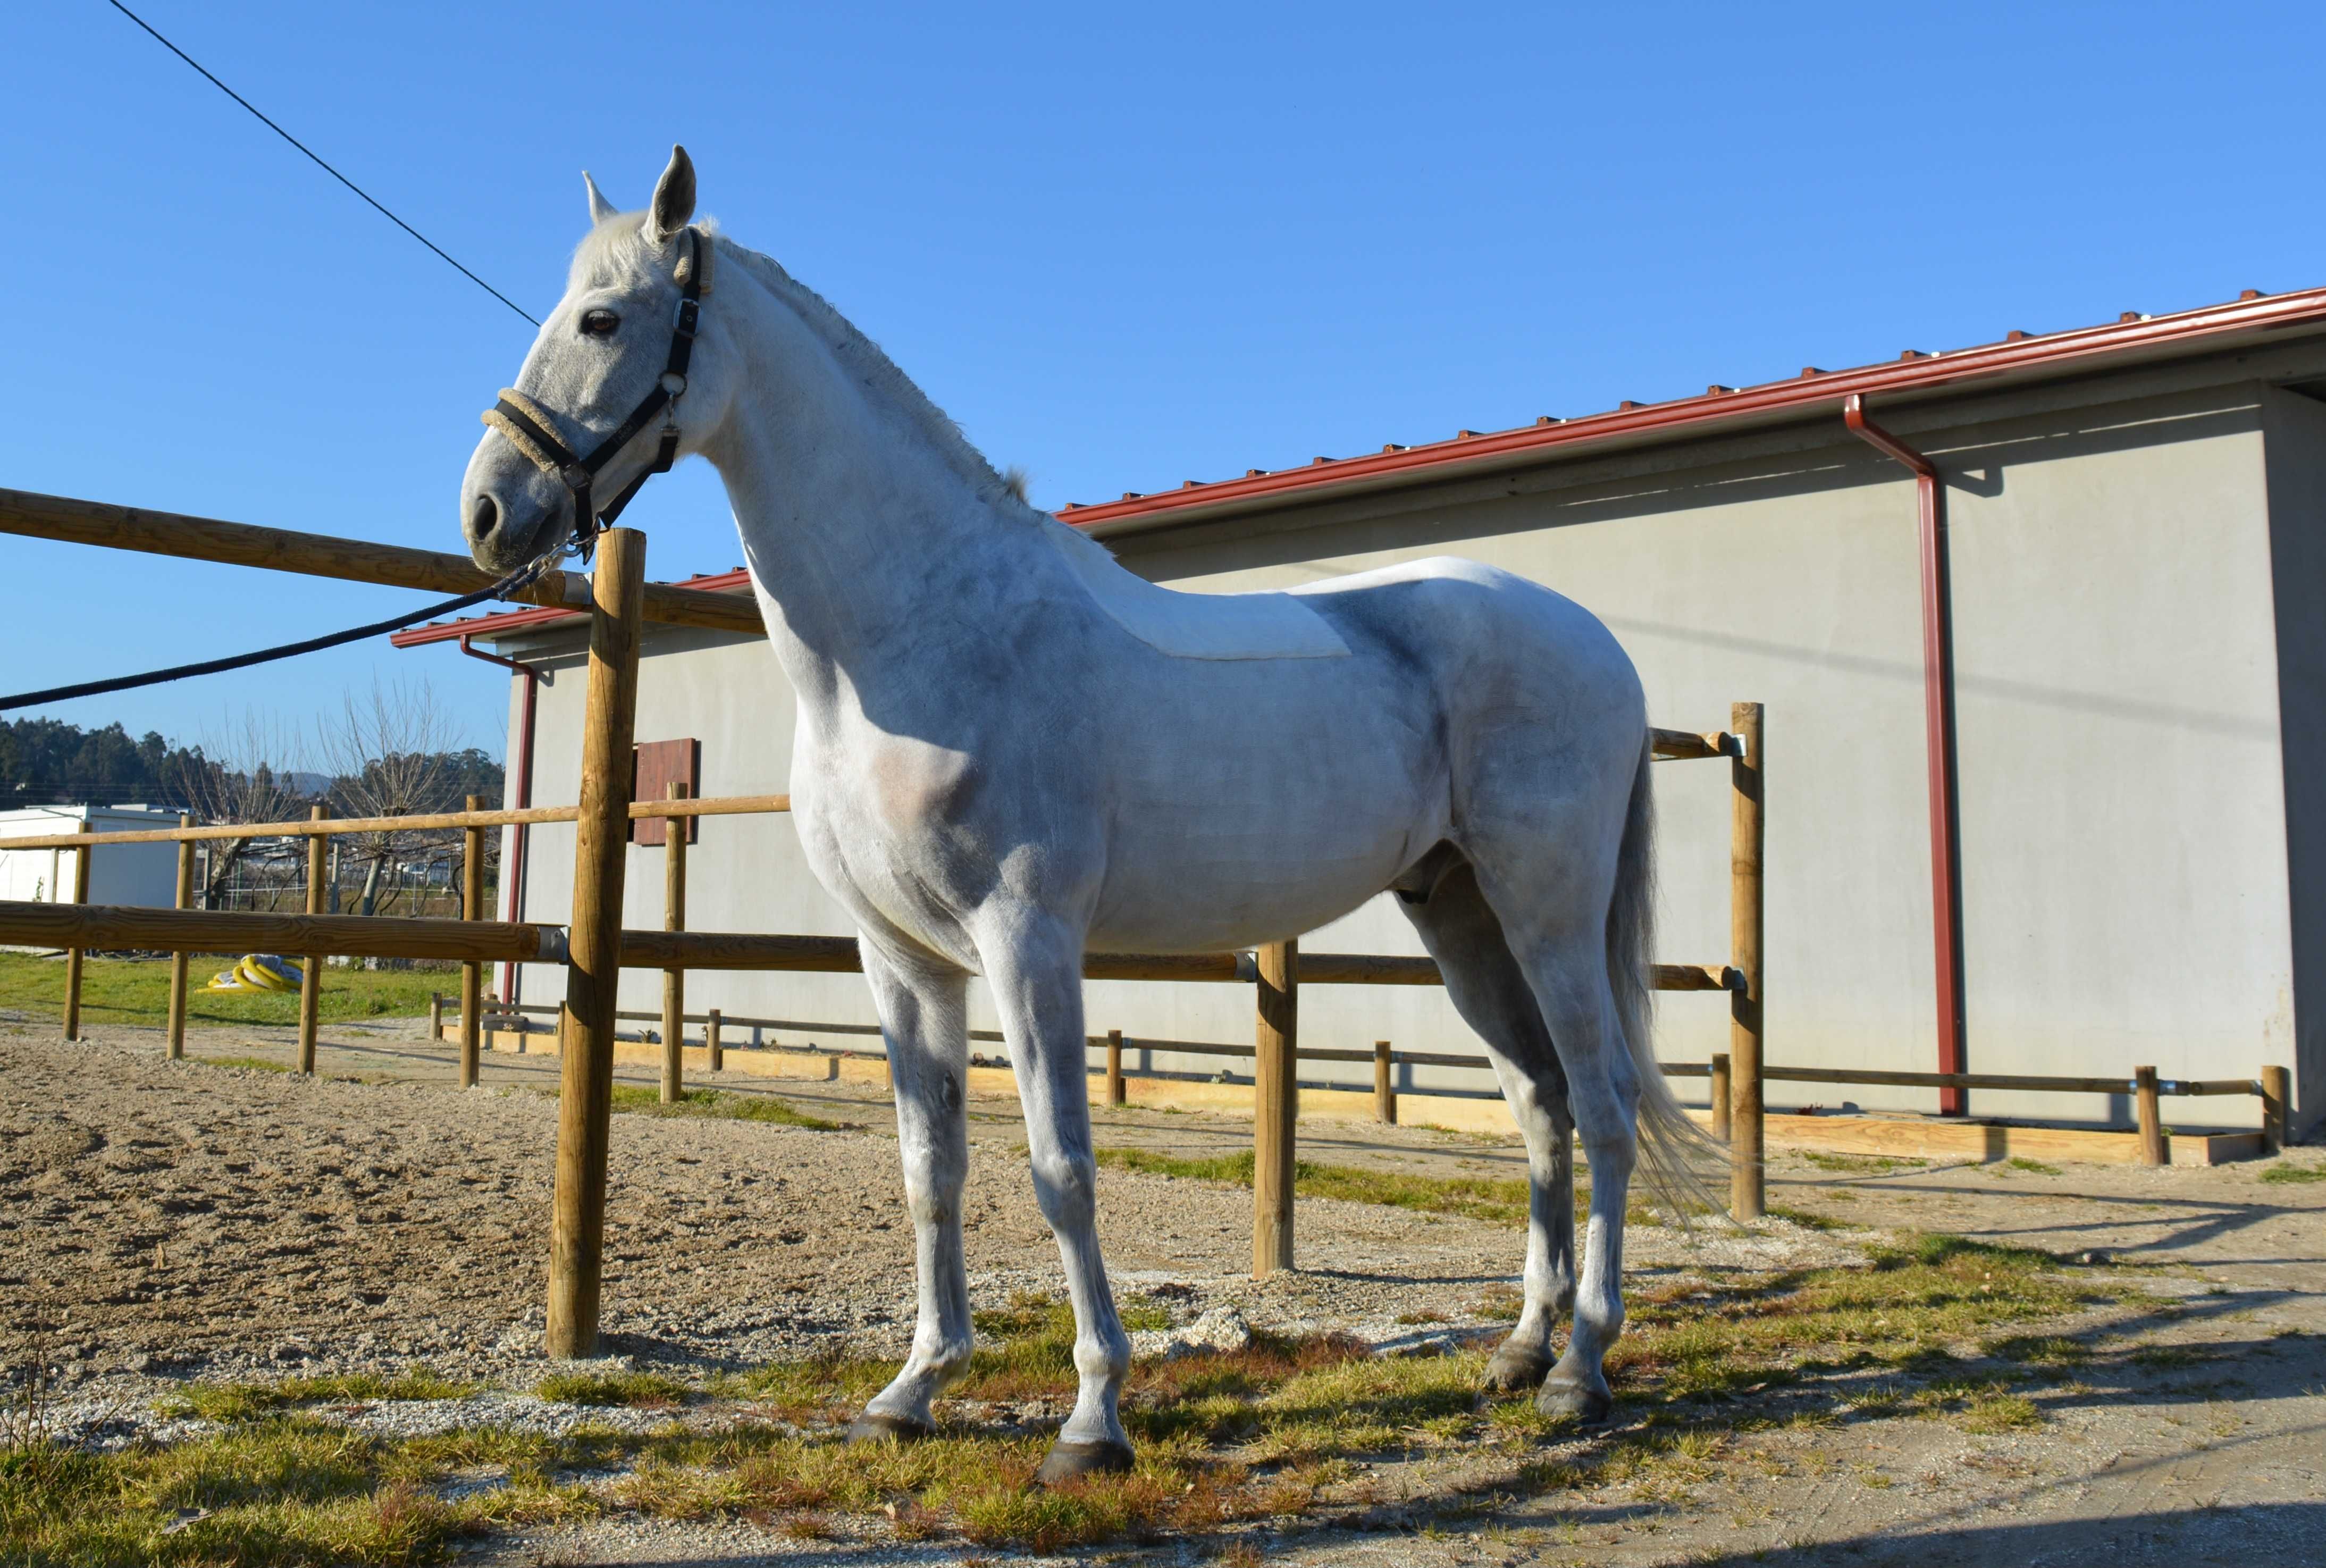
(871,543)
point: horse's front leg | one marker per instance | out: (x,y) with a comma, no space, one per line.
(925,1022)
(1035,970)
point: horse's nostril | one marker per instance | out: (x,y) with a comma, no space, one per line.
(484,518)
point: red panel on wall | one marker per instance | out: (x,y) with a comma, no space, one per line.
(655,766)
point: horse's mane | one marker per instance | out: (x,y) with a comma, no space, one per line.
(616,246)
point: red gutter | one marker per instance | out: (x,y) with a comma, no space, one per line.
(516,868)
(1938,743)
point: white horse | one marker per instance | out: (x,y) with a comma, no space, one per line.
(1009,749)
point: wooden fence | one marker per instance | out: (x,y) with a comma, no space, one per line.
(594,949)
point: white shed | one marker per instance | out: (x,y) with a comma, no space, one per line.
(127,873)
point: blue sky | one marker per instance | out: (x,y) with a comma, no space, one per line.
(1124,246)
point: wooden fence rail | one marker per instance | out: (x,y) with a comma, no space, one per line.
(329,827)
(154,533)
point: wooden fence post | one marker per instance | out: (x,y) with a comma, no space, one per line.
(710,1044)
(179,961)
(2151,1115)
(436,1016)
(1118,1092)
(1721,1091)
(1747,1192)
(1275,1105)
(311,970)
(2276,1097)
(73,955)
(674,981)
(472,975)
(593,972)
(1384,1085)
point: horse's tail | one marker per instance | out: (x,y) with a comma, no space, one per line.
(1678,1155)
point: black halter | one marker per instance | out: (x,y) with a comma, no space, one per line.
(528,427)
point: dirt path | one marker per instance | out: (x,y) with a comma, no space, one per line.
(162,1220)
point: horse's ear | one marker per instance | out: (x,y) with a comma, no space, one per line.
(674,198)
(600,207)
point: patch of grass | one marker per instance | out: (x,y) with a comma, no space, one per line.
(2032,1167)
(1471,1197)
(2286,1170)
(137,991)
(282,1491)
(645,1390)
(2168,1357)
(1804,1219)
(234,1402)
(1862,1164)
(255,1063)
(2000,1413)
(641,1101)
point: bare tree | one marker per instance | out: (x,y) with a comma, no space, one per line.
(241,772)
(389,752)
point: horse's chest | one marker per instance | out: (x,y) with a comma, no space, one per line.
(898,827)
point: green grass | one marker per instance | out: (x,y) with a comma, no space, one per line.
(1472,1197)
(1275,1431)
(2286,1170)
(255,1063)
(137,991)
(2032,1167)
(640,1101)
(644,1390)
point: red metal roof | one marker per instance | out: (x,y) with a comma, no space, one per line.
(2019,355)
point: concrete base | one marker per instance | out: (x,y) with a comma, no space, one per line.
(1907,1137)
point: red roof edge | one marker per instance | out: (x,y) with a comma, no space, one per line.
(1915,373)
(501,622)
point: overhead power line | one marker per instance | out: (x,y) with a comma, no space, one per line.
(310,152)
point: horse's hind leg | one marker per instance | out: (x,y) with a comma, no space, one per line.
(1569,970)
(1490,991)
(924,1016)
(1034,969)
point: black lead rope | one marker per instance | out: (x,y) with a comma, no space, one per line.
(511,584)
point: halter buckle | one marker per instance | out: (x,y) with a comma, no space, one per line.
(689,313)
(576,477)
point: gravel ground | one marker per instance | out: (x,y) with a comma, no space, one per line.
(164,1221)
(175,1219)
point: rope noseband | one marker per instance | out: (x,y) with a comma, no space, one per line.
(533,429)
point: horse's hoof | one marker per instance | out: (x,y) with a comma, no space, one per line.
(1514,1369)
(1070,1460)
(872,1427)
(1590,1406)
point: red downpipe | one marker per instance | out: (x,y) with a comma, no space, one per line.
(523,798)
(1938,744)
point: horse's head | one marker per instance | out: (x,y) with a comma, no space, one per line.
(614,387)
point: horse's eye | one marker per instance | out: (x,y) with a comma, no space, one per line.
(600,324)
